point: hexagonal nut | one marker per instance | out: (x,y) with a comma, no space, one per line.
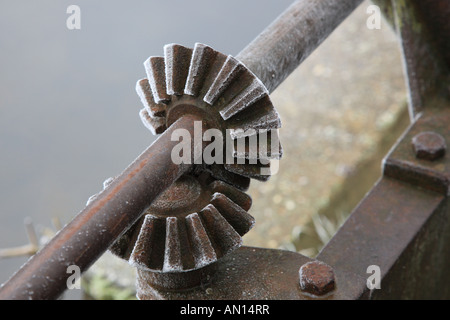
(317,278)
(429,146)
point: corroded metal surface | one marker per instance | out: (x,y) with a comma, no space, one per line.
(253,274)
(398,227)
(435,14)
(317,278)
(424,36)
(429,145)
(383,229)
(403,164)
(226,95)
(192,224)
(421,270)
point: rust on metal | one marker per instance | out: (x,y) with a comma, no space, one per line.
(429,145)
(402,225)
(223,92)
(424,36)
(249,273)
(383,228)
(317,278)
(189,226)
(403,164)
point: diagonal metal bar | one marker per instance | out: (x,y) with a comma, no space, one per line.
(292,37)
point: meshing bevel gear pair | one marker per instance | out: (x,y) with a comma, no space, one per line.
(203,215)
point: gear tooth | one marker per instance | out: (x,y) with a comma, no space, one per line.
(172,252)
(229,72)
(236,180)
(124,244)
(249,150)
(240,198)
(258,146)
(148,251)
(156,74)
(223,236)
(145,94)
(177,63)
(241,221)
(254,171)
(272,149)
(156,125)
(252,93)
(261,116)
(201,61)
(264,122)
(202,248)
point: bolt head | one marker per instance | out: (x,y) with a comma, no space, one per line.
(317,278)
(429,146)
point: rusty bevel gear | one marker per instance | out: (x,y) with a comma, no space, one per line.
(203,215)
(224,92)
(192,224)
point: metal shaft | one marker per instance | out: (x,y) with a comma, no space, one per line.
(94,229)
(292,37)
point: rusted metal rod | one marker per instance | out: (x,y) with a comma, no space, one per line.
(94,229)
(292,37)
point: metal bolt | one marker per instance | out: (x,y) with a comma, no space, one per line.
(317,278)
(429,146)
